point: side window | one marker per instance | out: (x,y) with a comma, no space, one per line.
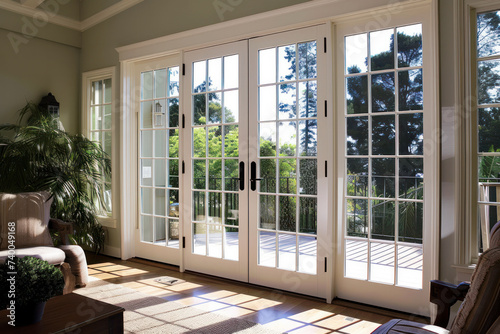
(98,107)
(487,122)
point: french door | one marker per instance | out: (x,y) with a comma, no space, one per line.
(157,101)
(253,123)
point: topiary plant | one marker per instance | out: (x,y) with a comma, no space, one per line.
(28,281)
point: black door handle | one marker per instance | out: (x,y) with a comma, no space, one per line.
(242,175)
(253,176)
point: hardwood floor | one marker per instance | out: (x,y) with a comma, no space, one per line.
(274,309)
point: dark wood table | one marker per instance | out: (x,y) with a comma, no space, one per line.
(72,313)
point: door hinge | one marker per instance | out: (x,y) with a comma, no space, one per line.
(326,168)
(183,167)
(324,44)
(183,242)
(183,69)
(326,265)
(326,108)
(183,121)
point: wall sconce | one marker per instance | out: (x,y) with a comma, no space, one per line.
(50,104)
(159,114)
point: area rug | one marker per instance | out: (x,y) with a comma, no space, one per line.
(148,314)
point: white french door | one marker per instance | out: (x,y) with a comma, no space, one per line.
(157,102)
(216,128)
(254,126)
(387,161)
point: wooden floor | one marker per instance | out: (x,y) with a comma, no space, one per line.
(274,309)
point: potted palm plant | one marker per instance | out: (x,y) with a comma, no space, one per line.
(25,286)
(37,154)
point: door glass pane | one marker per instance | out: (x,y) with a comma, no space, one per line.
(287,137)
(267,249)
(410,262)
(215,153)
(384,187)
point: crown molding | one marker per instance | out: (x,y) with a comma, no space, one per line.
(26,8)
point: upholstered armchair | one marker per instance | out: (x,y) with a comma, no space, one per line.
(480,310)
(24,230)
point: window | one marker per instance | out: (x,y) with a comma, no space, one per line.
(486,122)
(98,111)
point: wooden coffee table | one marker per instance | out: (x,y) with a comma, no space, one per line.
(72,313)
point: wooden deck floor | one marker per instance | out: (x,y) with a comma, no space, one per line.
(274,309)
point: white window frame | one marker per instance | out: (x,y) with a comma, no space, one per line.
(87,79)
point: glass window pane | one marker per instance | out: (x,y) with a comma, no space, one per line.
(356,259)
(308,99)
(173,173)
(97,92)
(409,45)
(147,200)
(411,178)
(146,172)
(173,143)
(267,142)
(267,175)
(287,138)
(308,169)
(288,176)
(267,212)
(214,108)
(215,174)
(160,143)
(267,66)
(357,135)
(357,177)
(288,210)
(308,209)
(287,251)
(382,262)
(215,74)
(308,138)
(173,81)
(231,72)
(382,49)
(231,246)
(146,228)
(410,222)
(160,231)
(357,94)
(267,103)
(199,109)
(357,217)
(173,198)
(231,106)
(215,207)
(147,115)
(384,135)
(146,144)
(160,173)
(215,241)
(159,113)
(199,174)
(160,202)
(96,118)
(173,113)
(356,51)
(231,141)
(307,60)
(173,233)
(488,129)
(199,143)
(200,239)
(488,78)
(200,76)
(308,247)
(160,83)
(287,106)
(411,95)
(198,206)
(488,34)
(108,120)
(383,178)
(267,249)
(410,262)
(383,92)
(215,141)
(108,92)
(231,175)
(286,63)
(411,134)
(146,85)
(107,143)
(383,218)
(231,209)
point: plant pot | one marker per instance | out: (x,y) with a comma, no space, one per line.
(29,314)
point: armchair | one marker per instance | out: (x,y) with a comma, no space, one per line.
(480,310)
(24,231)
